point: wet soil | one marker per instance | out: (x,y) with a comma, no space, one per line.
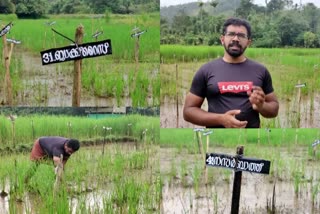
(51,85)
(181,196)
(308,118)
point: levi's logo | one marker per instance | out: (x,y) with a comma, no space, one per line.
(234,87)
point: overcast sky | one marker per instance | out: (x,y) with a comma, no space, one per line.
(259,2)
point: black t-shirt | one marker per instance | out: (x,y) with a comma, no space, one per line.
(54,146)
(225,86)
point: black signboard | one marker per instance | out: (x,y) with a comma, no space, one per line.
(315,143)
(68,53)
(14,41)
(6,29)
(238,163)
(137,34)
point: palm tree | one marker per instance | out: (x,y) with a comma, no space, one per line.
(214,4)
(200,4)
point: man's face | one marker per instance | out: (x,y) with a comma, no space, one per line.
(235,40)
(68,150)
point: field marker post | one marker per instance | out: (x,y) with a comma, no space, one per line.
(7,58)
(314,146)
(239,164)
(76,92)
(207,133)
(12,118)
(236,185)
(136,33)
(177,97)
(199,140)
(104,138)
(268,133)
(32,125)
(69,129)
(129,128)
(299,86)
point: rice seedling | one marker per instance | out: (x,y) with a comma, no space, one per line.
(291,168)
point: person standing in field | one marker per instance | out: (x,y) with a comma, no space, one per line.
(237,89)
(51,148)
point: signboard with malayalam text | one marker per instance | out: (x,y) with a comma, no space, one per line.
(238,163)
(68,53)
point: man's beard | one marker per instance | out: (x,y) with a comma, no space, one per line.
(234,52)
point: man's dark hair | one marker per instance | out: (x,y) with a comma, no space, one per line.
(73,144)
(237,22)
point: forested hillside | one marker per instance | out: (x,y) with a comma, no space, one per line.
(279,23)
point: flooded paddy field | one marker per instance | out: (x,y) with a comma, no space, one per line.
(125,179)
(292,185)
(185,190)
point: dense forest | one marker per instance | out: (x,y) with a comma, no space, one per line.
(40,8)
(279,23)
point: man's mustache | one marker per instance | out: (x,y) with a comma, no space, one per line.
(236,44)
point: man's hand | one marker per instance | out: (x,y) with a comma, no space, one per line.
(229,120)
(256,98)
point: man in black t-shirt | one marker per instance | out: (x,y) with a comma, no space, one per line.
(51,148)
(237,89)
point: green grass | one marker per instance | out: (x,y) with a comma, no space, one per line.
(101,76)
(114,178)
(232,137)
(82,128)
(35,35)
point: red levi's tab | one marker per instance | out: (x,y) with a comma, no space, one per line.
(234,87)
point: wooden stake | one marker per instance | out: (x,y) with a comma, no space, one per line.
(7,60)
(236,186)
(177,97)
(76,93)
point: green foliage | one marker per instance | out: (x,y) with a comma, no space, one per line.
(31,9)
(7,7)
(234,137)
(278,24)
(82,128)
(310,40)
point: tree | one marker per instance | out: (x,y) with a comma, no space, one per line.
(200,14)
(30,8)
(275,5)
(181,23)
(244,9)
(310,40)
(289,28)
(6,7)
(99,6)
(312,15)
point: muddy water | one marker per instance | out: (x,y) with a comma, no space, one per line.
(179,195)
(51,85)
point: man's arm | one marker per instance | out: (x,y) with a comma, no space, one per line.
(266,105)
(193,113)
(56,160)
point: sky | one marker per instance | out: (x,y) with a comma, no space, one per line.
(164,3)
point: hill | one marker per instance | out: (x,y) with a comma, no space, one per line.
(192,9)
